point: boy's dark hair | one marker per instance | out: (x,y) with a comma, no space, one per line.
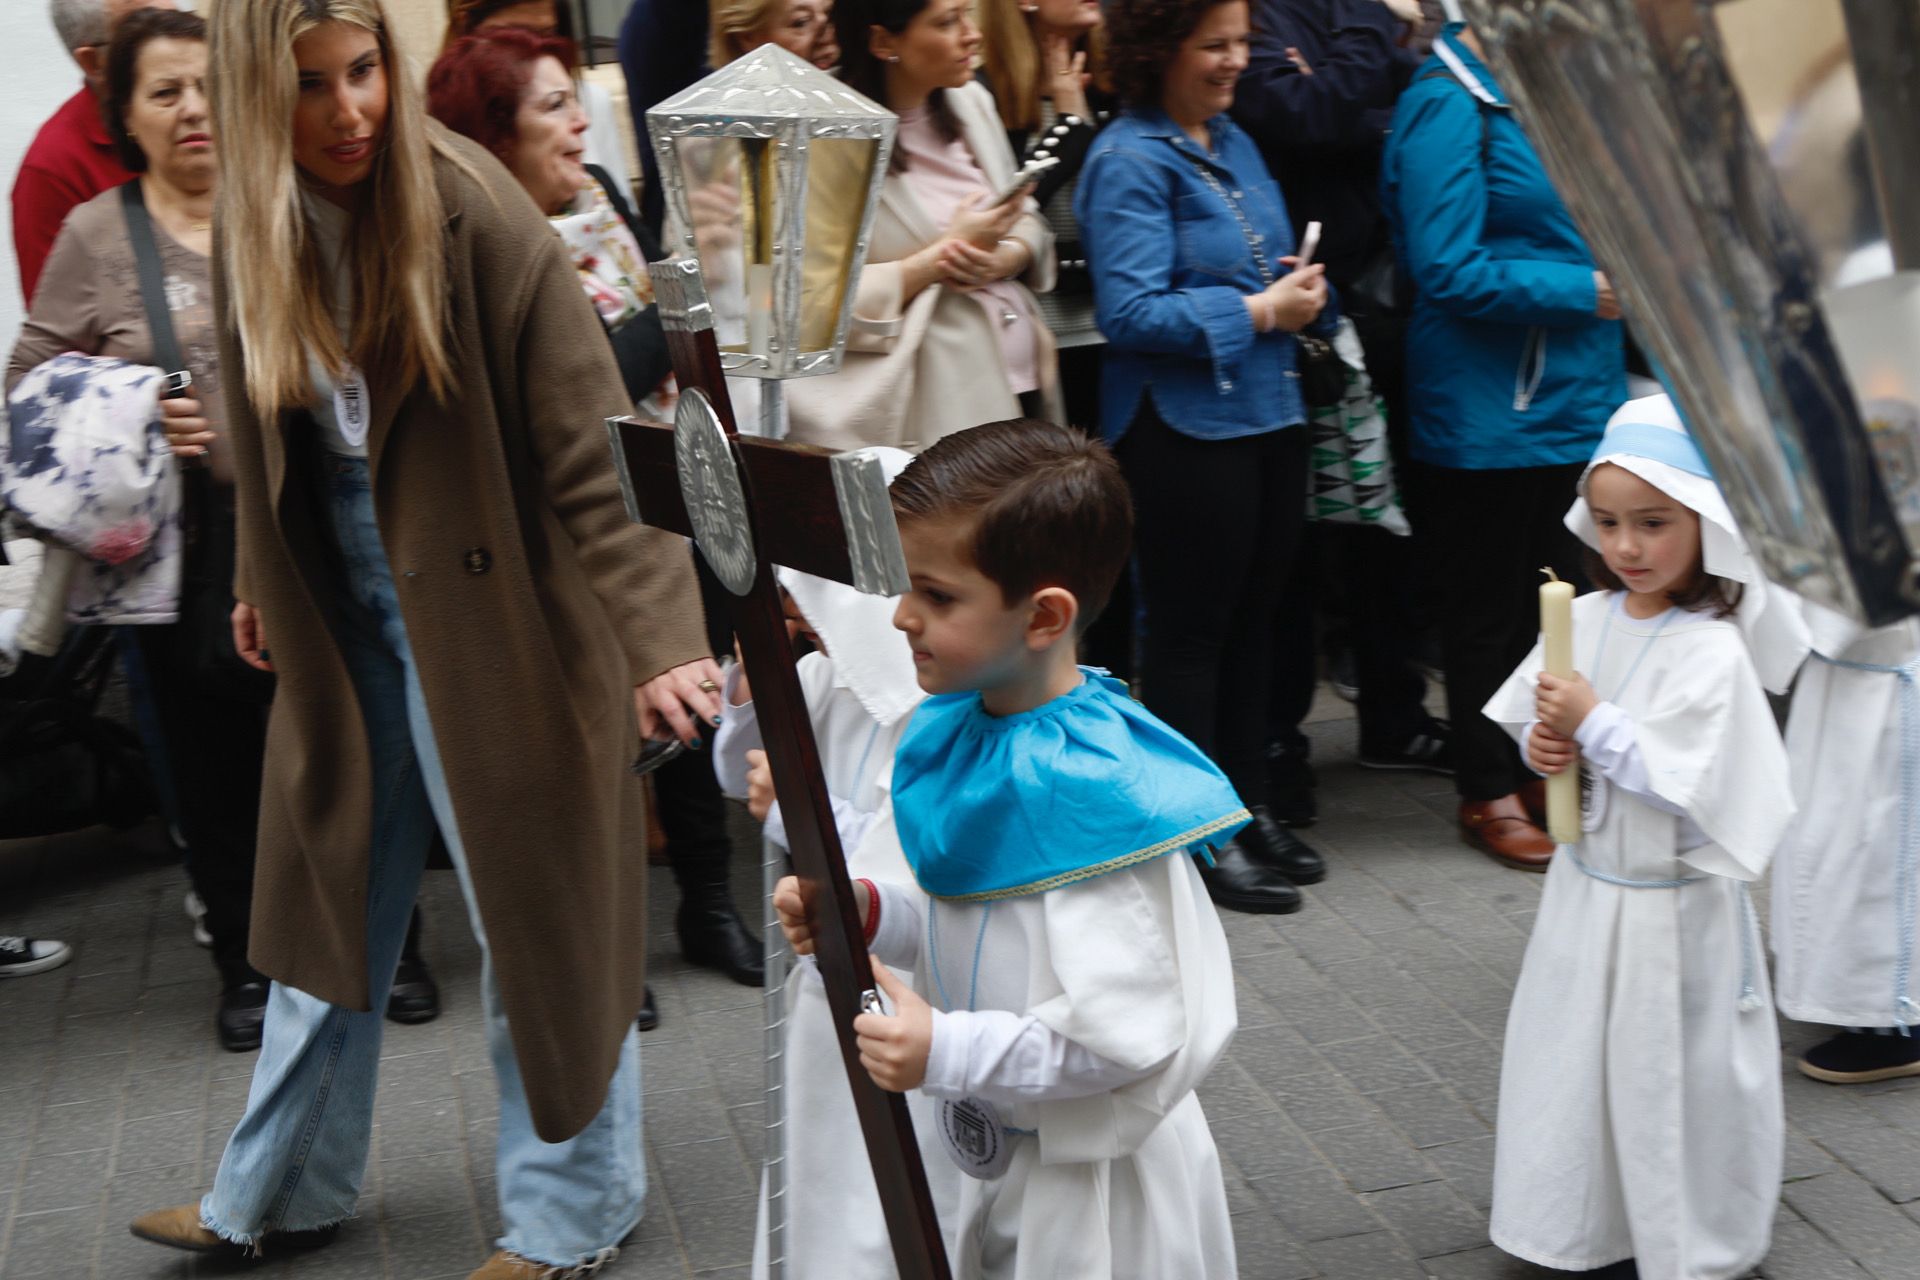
(1707,590)
(1048,507)
(135,32)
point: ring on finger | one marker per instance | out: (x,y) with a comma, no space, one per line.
(709,686)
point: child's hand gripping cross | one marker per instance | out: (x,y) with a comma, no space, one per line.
(1560,705)
(893,1048)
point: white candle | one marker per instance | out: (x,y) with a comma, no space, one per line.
(1556,636)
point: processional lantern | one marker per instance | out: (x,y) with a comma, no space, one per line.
(1780,304)
(772,169)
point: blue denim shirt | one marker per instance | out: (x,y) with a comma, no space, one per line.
(1171,267)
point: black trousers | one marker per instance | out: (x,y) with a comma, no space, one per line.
(1217,525)
(216,748)
(1488,534)
(1365,576)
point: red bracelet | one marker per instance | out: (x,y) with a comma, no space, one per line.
(872,923)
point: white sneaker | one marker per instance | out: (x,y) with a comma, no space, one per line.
(22,956)
(197,912)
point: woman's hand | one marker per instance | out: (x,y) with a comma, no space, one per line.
(189,434)
(987,226)
(969,266)
(1562,703)
(1549,752)
(1066,75)
(1295,300)
(1606,305)
(249,636)
(715,210)
(680,701)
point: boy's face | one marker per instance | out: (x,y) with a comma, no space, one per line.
(964,635)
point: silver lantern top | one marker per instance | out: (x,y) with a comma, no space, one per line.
(772,169)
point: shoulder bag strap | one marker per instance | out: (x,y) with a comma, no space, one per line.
(153,285)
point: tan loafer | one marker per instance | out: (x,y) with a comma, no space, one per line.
(179,1228)
(507,1265)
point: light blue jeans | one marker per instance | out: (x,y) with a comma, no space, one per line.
(296,1159)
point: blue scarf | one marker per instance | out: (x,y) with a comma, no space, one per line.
(995,807)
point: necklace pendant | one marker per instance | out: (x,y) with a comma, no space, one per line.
(970,1131)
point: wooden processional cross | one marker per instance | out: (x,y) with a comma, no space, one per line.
(747,502)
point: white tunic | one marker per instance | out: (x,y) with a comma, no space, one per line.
(1837,937)
(1124,984)
(834,1228)
(1640,1110)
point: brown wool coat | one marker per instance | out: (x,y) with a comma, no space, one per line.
(532,605)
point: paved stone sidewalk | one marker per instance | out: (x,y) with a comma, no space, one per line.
(1354,1112)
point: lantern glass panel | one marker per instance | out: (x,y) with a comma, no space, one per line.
(838,172)
(731,199)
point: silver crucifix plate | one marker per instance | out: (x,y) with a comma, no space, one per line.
(710,482)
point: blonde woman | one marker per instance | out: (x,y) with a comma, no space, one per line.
(463,621)
(801,27)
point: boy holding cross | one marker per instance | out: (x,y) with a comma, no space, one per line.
(1073,984)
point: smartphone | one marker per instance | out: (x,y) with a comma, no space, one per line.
(655,752)
(1028,175)
(180,384)
(1309,244)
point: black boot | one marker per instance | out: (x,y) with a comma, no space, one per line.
(694,815)
(649,1013)
(243,1011)
(1238,883)
(415,996)
(1272,845)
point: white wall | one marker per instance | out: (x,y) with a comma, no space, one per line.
(39,77)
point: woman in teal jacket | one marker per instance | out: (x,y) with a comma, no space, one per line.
(1514,363)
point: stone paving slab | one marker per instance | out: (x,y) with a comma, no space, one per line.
(1354,1112)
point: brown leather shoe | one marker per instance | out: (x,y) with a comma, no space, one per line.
(179,1228)
(1534,796)
(1502,829)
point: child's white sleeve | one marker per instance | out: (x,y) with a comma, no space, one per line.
(851,823)
(738,734)
(896,939)
(1003,1056)
(1607,742)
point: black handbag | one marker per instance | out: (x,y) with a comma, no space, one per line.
(1323,374)
(205,638)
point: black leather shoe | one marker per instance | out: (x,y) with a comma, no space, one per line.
(243,1011)
(415,996)
(649,1015)
(713,936)
(1272,845)
(1238,883)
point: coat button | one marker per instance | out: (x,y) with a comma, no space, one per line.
(1226,384)
(478,560)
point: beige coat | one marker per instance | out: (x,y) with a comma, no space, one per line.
(916,370)
(533,606)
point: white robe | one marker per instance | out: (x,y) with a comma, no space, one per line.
(834,1228)
(1640,1108)
(1128,976)
(1836,937)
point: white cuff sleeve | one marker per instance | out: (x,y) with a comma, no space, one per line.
(738,734)
(851,823)
(1607,742)
(1008,1057)
(897,939)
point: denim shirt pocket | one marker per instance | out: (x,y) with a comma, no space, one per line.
(1209,238)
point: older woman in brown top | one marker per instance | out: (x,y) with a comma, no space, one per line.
(90,301)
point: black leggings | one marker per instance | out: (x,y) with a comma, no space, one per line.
(1217,525)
